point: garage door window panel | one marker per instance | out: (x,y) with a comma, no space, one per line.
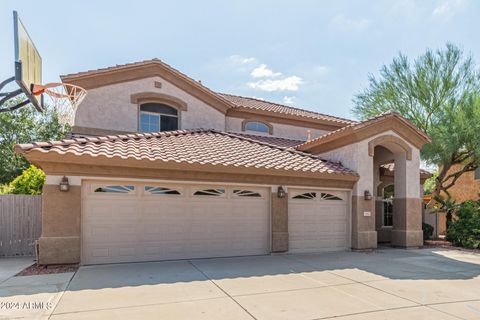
(242,193)
(125,189)
(161,191)
(213,192)
(306,196)
(330,197)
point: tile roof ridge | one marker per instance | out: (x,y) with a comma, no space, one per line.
(291,107)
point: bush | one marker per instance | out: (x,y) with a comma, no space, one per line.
(464,230)
(5,189)
(427,231)
(30,181)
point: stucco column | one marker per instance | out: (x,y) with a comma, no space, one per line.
(407,205)
(364,234)
(60,239)
(279,214)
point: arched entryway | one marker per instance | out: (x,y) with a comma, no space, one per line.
(396,172)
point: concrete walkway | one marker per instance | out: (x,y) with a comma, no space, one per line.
(11,266)
(387,284)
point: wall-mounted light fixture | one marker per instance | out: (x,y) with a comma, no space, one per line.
(64,186)
(367,195)
(280,192)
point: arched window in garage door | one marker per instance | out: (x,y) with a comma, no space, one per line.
(153,190)
(315,195)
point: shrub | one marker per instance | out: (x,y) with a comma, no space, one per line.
(427,231)
(464,230)
(5,189)
(30,181)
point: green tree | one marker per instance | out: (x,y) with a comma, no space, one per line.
(24,126)
(439,92)
(429,184)
(30,181)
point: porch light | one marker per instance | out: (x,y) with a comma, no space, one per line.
(367,195)
(64,186)
(280,192)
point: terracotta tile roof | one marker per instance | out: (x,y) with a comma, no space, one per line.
(358,125)
(391,168)
(197,146)
(257,104)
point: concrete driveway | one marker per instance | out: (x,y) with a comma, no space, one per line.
(386,284)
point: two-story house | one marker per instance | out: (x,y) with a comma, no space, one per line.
(161,167)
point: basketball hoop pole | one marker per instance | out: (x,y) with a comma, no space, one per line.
(10,95)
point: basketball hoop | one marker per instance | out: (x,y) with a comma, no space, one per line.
(63,97)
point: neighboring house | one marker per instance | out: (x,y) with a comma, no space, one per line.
(145,183)
(467,187)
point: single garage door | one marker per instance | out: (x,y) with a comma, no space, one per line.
(317,220)
(129,222)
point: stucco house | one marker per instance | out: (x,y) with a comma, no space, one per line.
(467,187)
(161,167)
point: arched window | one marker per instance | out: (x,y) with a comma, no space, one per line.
(155,117)
(257,126)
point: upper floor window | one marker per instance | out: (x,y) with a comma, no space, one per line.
(257,126)
(477,174)
(155,117)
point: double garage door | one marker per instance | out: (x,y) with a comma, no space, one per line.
(130,222)
(125,222)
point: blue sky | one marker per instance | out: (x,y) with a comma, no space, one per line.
(309,54)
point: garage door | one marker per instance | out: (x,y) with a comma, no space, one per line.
(127,222)
(317,221)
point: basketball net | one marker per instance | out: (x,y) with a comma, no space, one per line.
(63,97)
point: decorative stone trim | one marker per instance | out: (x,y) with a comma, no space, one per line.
(155,97)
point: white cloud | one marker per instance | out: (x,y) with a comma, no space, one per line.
(238,59)
(262,71)
(343,23)
(291,83)
(288,100)
(447,8)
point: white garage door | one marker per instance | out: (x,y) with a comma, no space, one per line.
(126,222)
(317,221)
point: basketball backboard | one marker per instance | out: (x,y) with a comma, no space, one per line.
(64,98)
(28,63)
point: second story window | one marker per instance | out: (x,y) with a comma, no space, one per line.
(155,117)
(257,126)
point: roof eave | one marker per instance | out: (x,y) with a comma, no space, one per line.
(41,158)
